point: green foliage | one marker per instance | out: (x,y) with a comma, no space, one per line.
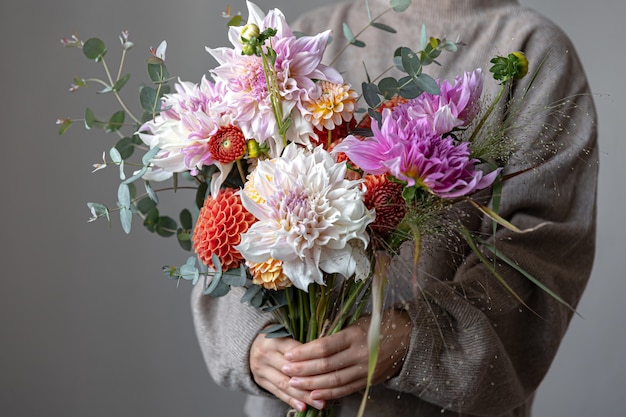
(116,121)
(94,49)
(514,66)
(412,63)
(399,5)
(347,32)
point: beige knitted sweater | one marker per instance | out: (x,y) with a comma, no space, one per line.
(475,349)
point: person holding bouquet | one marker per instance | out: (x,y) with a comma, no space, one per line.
(453,340)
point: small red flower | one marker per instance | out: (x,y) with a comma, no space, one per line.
(385,197)
(220,224)
(228,144)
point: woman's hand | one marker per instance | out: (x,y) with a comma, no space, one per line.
(335,366)
(266,362)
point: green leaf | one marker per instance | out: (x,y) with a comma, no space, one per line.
(184,239)
(186,220)
(123,195)
(347,32)
(145,205)
(201,194)
(427,83)
(235,20)
(158,73)
(235,277)
(388,87)
(383,27)
(98,210)
(116,121)
(105,90)
(251,293)
(94,49)
(121,82)
(409,89)
(151,193)
(399,5)
(189,271)
(64,126)
(125,147)
(220,290)
(410,62)
(126,218)
(148,99)
(370,94)
(166,226)
(90,118)
(116,158)
(151,219)
(423,37)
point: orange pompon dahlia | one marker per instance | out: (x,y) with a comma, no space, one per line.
(220,224)
(269,274)
(385,197)
(228,144)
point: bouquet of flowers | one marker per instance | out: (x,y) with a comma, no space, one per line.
(300,196)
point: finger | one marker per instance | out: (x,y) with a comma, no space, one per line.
(341,378)
(338,392)
(340,360)
(319,348)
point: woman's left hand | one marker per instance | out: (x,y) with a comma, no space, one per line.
(335,366)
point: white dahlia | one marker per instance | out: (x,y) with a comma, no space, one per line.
(309,217)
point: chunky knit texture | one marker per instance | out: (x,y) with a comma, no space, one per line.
(475,349)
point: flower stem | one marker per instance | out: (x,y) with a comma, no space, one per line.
(117,96)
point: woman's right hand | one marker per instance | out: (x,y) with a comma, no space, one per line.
(266,361)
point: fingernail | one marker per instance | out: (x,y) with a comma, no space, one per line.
(286,369)
(300,406)
(289,355)
(294,382)
(318,404)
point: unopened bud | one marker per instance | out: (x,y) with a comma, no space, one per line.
(521,65)
(250,32)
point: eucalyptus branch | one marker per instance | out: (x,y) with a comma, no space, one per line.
(117,95)
(360,32)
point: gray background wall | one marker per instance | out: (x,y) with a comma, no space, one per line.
(88,325)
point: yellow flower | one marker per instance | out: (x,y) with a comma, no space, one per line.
(334,104)
(269,275)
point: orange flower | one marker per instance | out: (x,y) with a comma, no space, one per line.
(228,144)
(269,274)
(385,197)
(220,224)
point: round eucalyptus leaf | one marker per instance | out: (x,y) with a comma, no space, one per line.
(94,49)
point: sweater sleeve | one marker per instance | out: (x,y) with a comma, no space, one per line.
(476,346)
(225,329)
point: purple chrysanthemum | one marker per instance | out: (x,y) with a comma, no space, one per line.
(404,148)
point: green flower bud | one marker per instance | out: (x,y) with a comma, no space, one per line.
(250,32)
(248,49)
(521,64)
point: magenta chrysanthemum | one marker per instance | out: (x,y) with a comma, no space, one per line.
(455,106)
(418,156)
